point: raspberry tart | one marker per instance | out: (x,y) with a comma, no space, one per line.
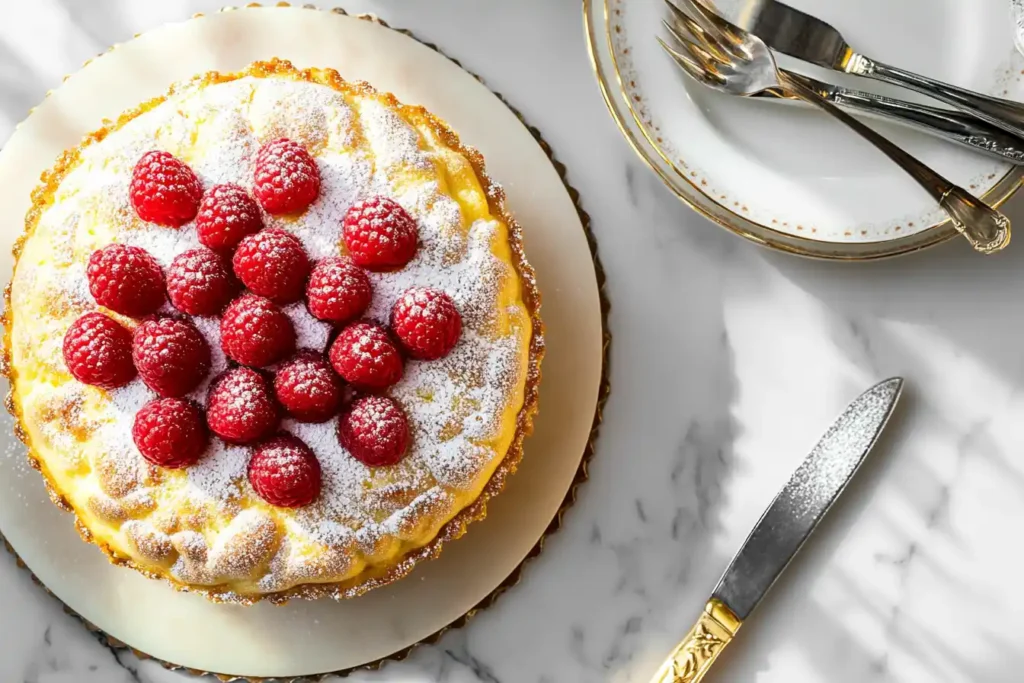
(272,335)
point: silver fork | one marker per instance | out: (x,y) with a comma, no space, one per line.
(724,57)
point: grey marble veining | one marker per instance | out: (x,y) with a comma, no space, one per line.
(728,362)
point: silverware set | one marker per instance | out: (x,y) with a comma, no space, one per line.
(729,58)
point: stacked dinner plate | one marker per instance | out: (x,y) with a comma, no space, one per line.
(785,175)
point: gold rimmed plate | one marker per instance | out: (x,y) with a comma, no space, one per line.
(785,176)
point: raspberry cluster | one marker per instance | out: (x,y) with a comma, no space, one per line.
(243,274)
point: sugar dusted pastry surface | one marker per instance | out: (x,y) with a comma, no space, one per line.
(204,528)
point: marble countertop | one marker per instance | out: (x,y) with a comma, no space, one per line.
(728,361)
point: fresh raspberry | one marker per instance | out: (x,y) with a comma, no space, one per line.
(240,408)
(285,473)
(164,190)
(365,357)
(227,214)
(254,331)
(98,351)
(337,291)
(272,263)
(308,388)
(374,430)
(427,322)
(171,432)
(126,279)
(199,282)
(171,355)
(379,234)
(287,179)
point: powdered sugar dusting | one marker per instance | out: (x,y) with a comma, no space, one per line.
(310,333)
(454,405)
(394,142)
(345,178)
(219,475)
(128,399)
(162,243)
(210,328)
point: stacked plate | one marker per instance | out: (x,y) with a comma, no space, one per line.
(785,175)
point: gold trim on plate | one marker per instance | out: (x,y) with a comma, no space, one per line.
(706,205)
(570,498)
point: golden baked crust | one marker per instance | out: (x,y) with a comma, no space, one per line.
(247,538)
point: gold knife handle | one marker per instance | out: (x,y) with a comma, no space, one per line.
(694,656)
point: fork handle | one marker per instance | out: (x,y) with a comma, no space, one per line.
(987,230)
(956,126)
(1002,113)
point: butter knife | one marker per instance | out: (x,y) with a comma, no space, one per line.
(800,35)
(781,531)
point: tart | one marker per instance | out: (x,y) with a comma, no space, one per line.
(272,335)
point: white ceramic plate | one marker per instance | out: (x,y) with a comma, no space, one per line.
(304,638)
(787,175)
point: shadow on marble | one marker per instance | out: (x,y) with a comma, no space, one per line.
(666,450)
(813,628)
(823,637)
(954,293)
(951,322)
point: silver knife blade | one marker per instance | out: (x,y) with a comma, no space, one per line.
(795,33)
(805,499)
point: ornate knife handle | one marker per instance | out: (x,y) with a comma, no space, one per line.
(1003,113)
(694,656)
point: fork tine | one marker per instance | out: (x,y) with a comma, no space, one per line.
(706,33)
(707,54)
(707,40)
(694,34)
(708,30)
(695,71)
(688,24)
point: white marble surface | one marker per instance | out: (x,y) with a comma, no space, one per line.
(728,361)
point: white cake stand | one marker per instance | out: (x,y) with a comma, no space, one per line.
(303,639)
